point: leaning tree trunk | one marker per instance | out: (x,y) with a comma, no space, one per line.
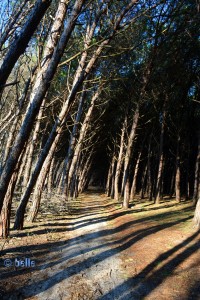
(19,219)
(55,47)
(6,209)
(38,190)
(50,177)
(84,172)
(20,43)
(72,143)
(133,187)
(110,176)
(82,135)
(33,143)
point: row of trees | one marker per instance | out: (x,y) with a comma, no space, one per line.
(79,77)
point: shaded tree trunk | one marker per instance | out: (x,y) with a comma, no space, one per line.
(161,157)
(197,175)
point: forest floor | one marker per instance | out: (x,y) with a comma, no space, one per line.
(100,251)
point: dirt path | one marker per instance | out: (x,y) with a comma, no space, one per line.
(86,268)
(103,252)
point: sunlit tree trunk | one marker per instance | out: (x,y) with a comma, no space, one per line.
(110,176)
(50,176)
(133,187)
(33,144)
(178,173)
(128,154)
(197,214)
(119,161)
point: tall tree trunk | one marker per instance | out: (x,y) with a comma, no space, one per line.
(50,177)
(161,156)
(149,174)
(72,143)
(197,173)
(82,135)
(133,187)
(129,151)
(119,161)
(172,184)
(38,190)
(110,176)
(126,195)
(33,143)
(197,214)
(84,172)
(178,174)
(142,191)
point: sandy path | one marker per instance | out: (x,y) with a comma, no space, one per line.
(85,268)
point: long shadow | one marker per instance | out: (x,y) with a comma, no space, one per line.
(194,291)
(87,263)
(143,284)
(82,223)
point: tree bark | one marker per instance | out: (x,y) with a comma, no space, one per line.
(33,143)
(119,161)
(37,193)
(197,214)
(19,45)
(129,150)
(133,187)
